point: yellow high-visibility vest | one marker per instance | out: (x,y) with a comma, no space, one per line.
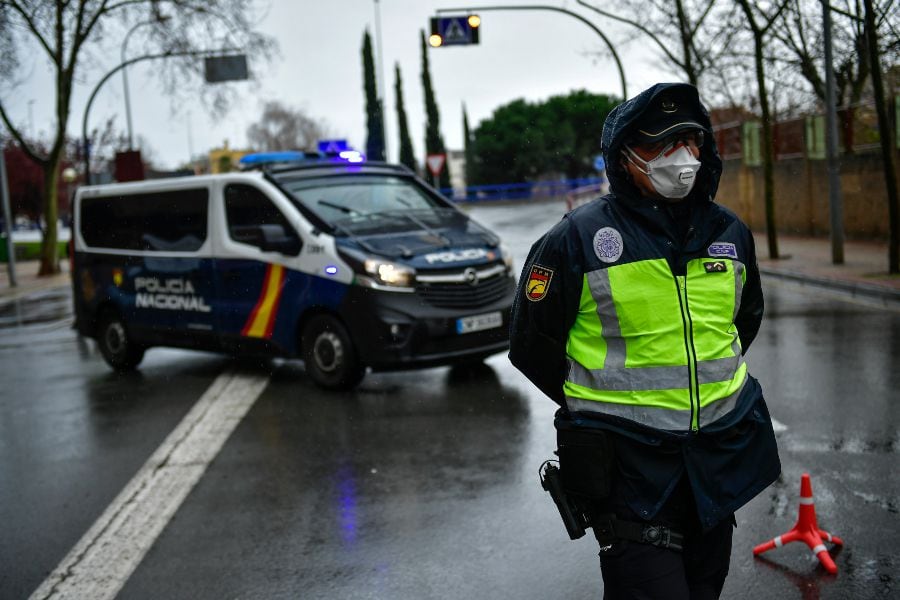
(657,348)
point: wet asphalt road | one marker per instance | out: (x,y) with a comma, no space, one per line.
(422,484)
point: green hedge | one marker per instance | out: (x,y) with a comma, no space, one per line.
(28,250)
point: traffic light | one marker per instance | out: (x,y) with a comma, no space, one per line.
(458,30)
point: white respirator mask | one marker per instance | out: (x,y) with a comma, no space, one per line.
(673,171)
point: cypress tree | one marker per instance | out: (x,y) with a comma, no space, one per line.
(374,122)
(406,148)
(434,143)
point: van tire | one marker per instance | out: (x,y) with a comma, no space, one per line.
(118,349)
(330,357)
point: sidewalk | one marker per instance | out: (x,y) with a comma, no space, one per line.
(807,261)
(28,282)
(804,261)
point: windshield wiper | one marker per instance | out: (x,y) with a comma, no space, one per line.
(340,207)
(410,216)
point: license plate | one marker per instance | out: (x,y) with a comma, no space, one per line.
(479,322)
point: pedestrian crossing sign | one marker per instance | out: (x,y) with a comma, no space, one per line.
(456,30)
(332,146)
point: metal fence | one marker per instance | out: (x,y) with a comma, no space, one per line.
(533,190)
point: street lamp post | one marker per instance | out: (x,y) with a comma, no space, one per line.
(7,217)
(159,19)
(835,202)
(380,88)
(555,9)
(113,71)
(116,69)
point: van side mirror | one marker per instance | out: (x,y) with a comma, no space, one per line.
(274,238)
(268,238)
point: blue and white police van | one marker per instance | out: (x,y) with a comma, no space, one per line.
(347,265)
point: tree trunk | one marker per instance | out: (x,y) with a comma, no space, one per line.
(885,135)
(768,152)
(49,253)
(684,29)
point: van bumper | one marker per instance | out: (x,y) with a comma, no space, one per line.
(395,331)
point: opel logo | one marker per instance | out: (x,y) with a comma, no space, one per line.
(668,106)
(471,276)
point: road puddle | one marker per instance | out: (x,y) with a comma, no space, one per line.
(40,307)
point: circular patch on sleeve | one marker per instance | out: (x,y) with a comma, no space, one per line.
(608,245)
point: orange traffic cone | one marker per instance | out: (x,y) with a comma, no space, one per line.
(806,530)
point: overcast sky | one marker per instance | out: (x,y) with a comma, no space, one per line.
(522,54)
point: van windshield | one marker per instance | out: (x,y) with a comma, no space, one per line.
(368,203)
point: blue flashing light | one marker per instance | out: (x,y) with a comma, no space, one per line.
(331,270)
(258,158)
(332,146)
(352,156)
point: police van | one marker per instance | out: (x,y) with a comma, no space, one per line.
(347,265)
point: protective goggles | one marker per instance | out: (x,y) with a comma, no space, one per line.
(687,137)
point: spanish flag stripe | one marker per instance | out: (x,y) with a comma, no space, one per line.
(262,317)
(273,309)
(262,296)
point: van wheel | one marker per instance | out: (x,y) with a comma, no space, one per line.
(118,350)
(330,357)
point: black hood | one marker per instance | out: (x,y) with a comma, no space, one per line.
(620,122)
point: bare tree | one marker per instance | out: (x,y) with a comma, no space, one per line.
(675,27)
(800,33)
(887,154)
(283,128)
(798,55)
(760,21)
(75,35)
(867,32)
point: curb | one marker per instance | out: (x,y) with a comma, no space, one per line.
(21,292)
(887,297)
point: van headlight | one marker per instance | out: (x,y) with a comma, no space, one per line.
(389,274)
(378,273)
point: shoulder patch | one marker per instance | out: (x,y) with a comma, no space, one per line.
(538,283)
(722,249)
(608,245)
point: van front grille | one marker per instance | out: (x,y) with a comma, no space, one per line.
(464,294)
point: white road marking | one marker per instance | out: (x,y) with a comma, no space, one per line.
(778,426)
(106,556)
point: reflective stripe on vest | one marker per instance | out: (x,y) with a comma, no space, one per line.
(653,378)
(642,334)
(656,417)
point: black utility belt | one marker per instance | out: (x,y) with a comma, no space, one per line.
(609,528)
(577,517)
(583,477)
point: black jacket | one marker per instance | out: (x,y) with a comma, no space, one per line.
(727,461)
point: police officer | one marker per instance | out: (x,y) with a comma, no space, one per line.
(633,313)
